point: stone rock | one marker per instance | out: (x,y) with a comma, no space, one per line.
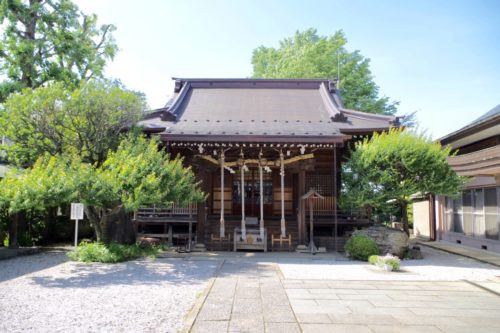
(389,240)
(414,253)
(149,241)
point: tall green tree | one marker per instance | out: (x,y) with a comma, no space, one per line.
(137,174)
(50,40)
(86,121)
(309,55)
(390,167)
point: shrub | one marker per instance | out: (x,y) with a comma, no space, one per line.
(112,253)
(373,259)
(360,247)
(388,260)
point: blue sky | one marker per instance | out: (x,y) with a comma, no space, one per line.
(440,58)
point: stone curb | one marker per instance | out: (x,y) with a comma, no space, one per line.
(193,313)
(459,254)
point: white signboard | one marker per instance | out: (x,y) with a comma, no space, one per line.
(77,211)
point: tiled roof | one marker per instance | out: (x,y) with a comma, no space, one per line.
(259,108)
(488,119)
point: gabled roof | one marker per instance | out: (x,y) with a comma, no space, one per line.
(259,110)
(483,127)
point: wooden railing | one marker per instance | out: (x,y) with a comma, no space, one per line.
(347,214)
(158,212)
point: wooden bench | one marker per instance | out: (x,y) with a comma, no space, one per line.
(281,240)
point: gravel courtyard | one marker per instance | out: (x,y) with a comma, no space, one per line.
(272,292)
(48,293)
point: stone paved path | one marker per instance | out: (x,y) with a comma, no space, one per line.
(246,297)
(249,296)
(393,306)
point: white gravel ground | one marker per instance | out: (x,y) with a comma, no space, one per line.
(47,293)
(436,266)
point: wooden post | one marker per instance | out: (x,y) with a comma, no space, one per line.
(335,195)
(222,227)
(170,235)
(302,208)
(243,226)
(261,203)
(282,174)
(190,232)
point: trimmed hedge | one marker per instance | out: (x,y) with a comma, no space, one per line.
(112,253)
(361,247)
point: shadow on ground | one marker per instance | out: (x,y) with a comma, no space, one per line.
(139,272)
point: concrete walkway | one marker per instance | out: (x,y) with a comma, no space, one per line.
(252,295)
(465,251)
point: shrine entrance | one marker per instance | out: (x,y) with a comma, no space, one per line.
(251,193)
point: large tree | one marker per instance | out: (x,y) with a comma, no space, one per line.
(137,174)
(50,40)
(309,55)
(86,121)
(390,167)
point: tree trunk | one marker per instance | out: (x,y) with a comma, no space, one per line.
(50,217)
(404,216)
(13,231)
(113,226)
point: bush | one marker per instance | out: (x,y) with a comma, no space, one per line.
(388,260)
(360,247)
(373,259)
(112,253)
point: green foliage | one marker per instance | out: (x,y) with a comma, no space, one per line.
(308,55)
(389,167)
(389,260)
(112,253)
(373,259)
(361,247)
(46,41)
(139,174)
(136,174)
(86,121)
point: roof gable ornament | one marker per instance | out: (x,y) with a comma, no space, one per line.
(332,86)
(178,86)
(396,122)
(339,118)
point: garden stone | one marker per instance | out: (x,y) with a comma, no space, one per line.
(150,241)
(389,240)
(414,253)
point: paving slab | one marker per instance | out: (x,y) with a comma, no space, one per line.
(249,295)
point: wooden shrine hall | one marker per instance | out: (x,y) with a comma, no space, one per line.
(257,146)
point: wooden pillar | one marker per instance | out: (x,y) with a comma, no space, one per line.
(335,193)
(282,174)
(222,227)
(170,235)
(302,208)
(243,223)
(201,216)
(261,222)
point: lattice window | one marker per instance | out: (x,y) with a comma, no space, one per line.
(320,182)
